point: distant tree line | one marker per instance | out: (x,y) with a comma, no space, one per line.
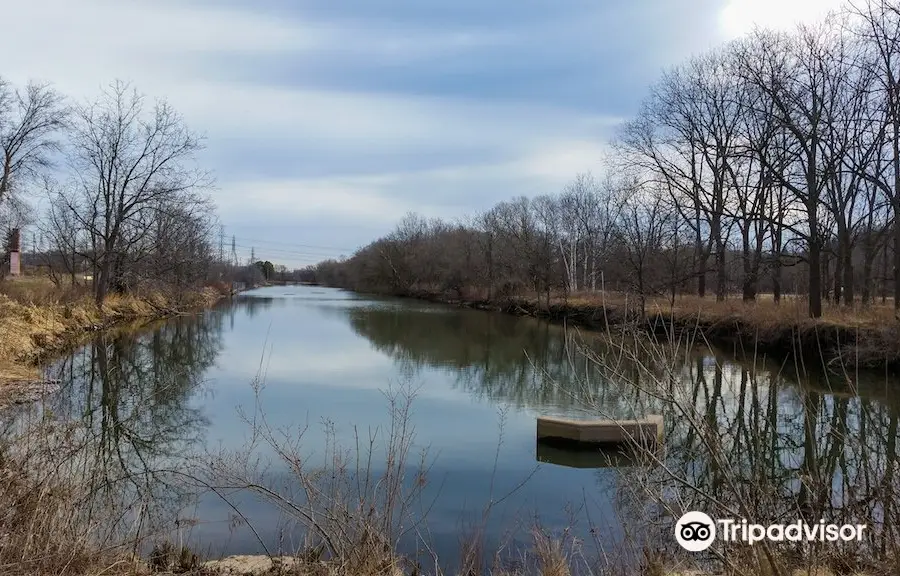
(771,164)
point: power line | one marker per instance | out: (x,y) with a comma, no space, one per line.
(295,245)
(283,259)
(286,252)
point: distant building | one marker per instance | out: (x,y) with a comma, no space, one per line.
(14,248)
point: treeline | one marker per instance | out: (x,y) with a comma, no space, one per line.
(125,202)
(594,235)
(770,164)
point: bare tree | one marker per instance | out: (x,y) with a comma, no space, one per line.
(798,77)
(643,223)
(30,121)
(65,236)
(880,29)
(129,162)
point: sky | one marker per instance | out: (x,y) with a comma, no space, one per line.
(326,121)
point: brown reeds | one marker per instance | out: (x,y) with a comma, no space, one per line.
(38,319)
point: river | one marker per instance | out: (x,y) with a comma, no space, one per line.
(188,392)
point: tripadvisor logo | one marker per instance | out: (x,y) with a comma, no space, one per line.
(696,531)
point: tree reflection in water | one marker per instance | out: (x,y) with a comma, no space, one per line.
(749,442)
(753,440)
(744,438)
(130,425)
(517,361)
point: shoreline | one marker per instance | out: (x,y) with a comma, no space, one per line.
(843,345)
(33,334)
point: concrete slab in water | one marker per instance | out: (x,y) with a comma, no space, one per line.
(647,431)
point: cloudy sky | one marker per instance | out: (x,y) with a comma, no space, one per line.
(327,120)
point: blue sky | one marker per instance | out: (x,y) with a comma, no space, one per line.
(328,120)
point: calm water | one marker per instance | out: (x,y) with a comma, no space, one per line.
(171,397)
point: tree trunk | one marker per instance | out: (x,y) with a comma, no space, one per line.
(101,282)
(896,200)
(884,274)
(721,273)
(73,268)
(490,264)
(776,280)
(701,278)
(749,284)
(868,260)
(835,279)
(700,256)
(815,249)
(715,232)
(815,277)
(776,263)
(848,288)
(897,250)
(573,278)
(867,278)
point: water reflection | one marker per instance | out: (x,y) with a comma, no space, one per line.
(742,438)
(517,361)
(754,444)
(126,407)
(583,456)
(749,439)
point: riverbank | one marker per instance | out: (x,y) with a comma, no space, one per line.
(844,338)
(37,323)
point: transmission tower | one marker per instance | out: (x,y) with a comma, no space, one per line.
(221,244)
(234,259)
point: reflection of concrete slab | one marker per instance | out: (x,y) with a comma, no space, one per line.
(564,453)
(647,431)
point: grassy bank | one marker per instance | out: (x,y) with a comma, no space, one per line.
(863,337)
(38,320)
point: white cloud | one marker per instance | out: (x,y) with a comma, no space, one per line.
(740,16)
(164,49)
(560,161)
(86,46)
(449,191)
(80,45)
(368,121)
(360,198)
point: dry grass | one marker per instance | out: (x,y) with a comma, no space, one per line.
(863,336)
(44,527)
(764,311)
(38,319)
